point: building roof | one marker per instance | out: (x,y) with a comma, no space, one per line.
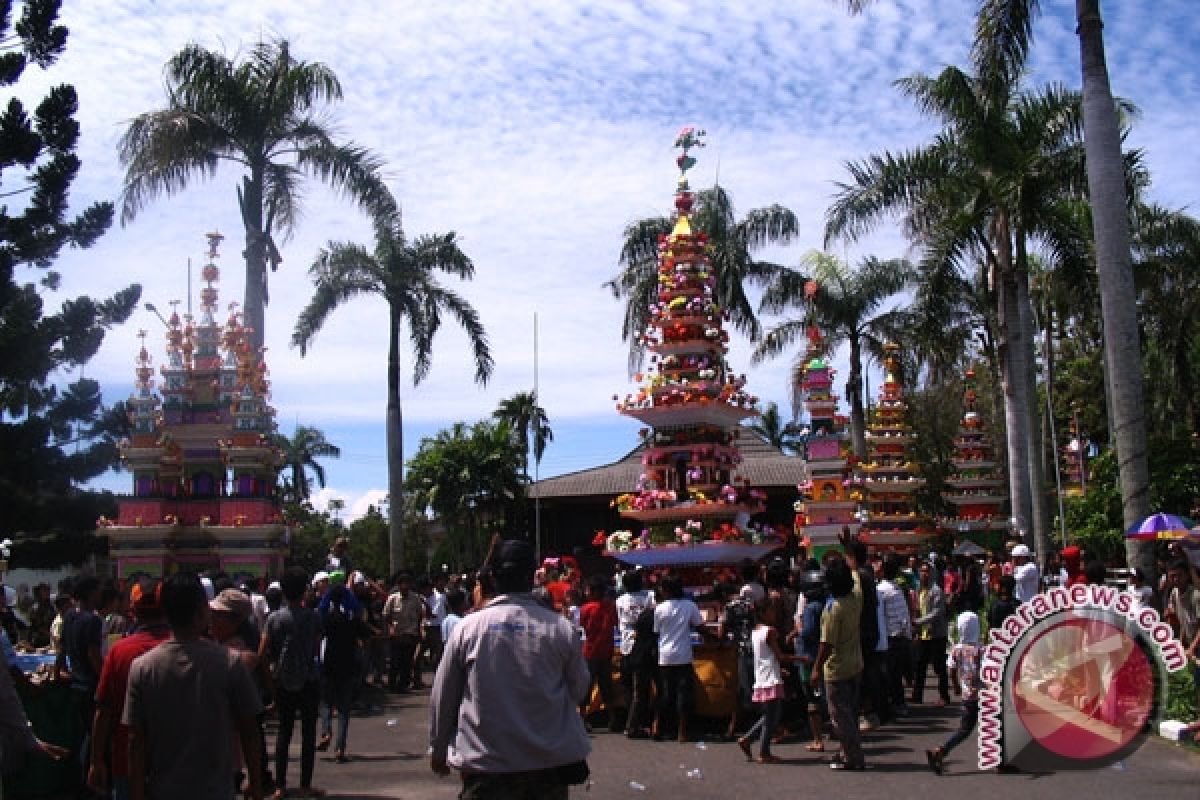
(763,465)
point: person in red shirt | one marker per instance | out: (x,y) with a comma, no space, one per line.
(151,629)
(598,619)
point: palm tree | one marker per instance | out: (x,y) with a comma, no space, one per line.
(993,182)
(732,244)
(300,454)
(403,274)
(1168,248)
(770,427)
(845,308)
(1004,34)
(262,114)
(528,423)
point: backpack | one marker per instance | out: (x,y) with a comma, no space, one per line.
(294,665)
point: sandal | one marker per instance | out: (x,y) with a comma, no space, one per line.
(323,743)
(745,745)
(815,747)
(279,794)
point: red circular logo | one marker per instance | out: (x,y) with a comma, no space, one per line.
(1083,688)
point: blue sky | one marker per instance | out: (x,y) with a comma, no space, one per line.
(538,131)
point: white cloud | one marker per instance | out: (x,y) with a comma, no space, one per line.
(537,131)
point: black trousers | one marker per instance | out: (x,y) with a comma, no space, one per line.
(899,668)
(287,706)
(400,660)
(931,652)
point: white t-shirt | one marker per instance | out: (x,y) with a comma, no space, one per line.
(436,601)
(629,607)
(674,620)
(448,626)
(1026,577)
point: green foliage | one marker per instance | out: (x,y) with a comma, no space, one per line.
(312,534)
(1181,697)
(470,478)
(53,436)
(935,414)
(1094,520)
(369,543)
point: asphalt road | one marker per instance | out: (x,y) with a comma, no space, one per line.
(387,749)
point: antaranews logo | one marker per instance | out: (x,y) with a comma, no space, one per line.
(1073,679)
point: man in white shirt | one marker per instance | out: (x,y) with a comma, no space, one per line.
(635,679)
(1025,573)
(674,620)
(897,627)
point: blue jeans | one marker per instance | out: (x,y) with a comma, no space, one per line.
(766,725)
(966,724)
(338,694)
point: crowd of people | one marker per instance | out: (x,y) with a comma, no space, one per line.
(843,645)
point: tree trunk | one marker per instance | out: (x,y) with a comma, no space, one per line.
(395,449)
(255,254)
(1110,221)
(854,396)
(1039,518)
(1012,376)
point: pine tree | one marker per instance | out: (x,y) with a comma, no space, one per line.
(53,437)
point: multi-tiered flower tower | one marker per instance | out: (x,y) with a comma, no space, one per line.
(977,490)
(890,476)
(204,467)
(830,493)
(692,403)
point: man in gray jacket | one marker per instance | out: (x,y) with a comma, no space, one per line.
(504,707)
(931,626)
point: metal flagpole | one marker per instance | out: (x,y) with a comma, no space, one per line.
(537,500)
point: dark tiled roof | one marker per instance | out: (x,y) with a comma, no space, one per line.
(763,466)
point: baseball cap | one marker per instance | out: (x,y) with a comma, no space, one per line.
(232,601)
(320,576)
(1022,550)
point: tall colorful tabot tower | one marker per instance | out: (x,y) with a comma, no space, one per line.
(977,490)
(691,401)
(890,475)
(203,464)
(831,492)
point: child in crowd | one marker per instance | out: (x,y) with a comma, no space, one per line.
(963,663)
(768,680)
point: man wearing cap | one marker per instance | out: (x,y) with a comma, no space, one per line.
(503,707)
(403,614)
(107,729)
(1025,573)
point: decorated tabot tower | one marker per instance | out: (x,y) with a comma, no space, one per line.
(203,465)
(977,490)
(688,502)
(890,476)
(830,493)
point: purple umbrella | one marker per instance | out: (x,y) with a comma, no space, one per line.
(1160,526)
